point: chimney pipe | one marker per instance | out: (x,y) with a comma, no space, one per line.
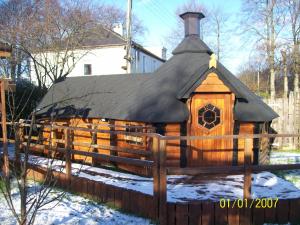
(192,23)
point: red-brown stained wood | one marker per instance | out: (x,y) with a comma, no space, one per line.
(110,195)
(182,212)
(126,201)
(245,128)
(294,211)
(208,213)
(220,214)
(245,216)
(90,188)
(118,197)
(195,213)
(258,216)
(150,206)
(171,213)
(282,211)
(211,152)
(133,199)
(173,146)
(270,215)
(104,193)
(247,175)
(233,215)
(98,191)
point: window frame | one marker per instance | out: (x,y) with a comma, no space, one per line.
(131,139)
(217,116)
(89,66)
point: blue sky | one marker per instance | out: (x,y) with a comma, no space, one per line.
(158,16)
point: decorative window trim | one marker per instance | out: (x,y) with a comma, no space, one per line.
(201,116)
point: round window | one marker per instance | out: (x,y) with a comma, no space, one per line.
(209,116)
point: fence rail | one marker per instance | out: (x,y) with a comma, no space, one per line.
(156,152)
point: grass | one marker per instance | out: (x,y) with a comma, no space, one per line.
(286,151)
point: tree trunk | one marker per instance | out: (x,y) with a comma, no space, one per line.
(296,72)
(271,47)
(285,78)
(23,196)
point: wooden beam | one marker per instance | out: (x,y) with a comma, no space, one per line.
(193,171)
(162,183)
(4,131)
(94,142)
(114,148)
(68,164)
(247,163)
(183,145)
(155,174)
(117,159)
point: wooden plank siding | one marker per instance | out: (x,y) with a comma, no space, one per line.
(211,152)
(178,154)
(173,146)
(133,142)
(245,128)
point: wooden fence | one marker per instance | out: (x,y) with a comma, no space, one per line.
(156,205)
(288,121)
(189,213)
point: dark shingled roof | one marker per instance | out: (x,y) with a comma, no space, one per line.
(155,98)
(103,37)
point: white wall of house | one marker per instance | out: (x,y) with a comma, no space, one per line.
(144,63)
(108,60)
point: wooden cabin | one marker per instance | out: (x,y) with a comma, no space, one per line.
(191,94)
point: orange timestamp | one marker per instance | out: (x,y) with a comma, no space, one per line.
(249,203)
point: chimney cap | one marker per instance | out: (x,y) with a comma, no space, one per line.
(195,14)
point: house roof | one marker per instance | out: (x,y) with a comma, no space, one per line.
(156,98)
(105,37)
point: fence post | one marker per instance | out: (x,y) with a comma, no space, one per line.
(68,154)
(247,164)
(4,130)
(17,144)
(246,216)
(94,142)
(53,143)
(162,183)
(155,171)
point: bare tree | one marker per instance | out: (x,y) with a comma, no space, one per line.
(213,27)
(293,9)
(109,15)
(177,33)
(264,20)
(285,72)
(13,14)
(218,28)
(53,35)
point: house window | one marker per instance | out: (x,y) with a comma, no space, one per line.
(144,64)
(131,139)
(87,69)
(209,116)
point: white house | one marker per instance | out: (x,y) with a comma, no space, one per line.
(105,55)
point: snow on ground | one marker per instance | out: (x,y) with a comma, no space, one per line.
(264,184)
(280,157)
(284,157)
(72,210)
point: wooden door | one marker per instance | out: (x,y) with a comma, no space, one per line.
(211,114)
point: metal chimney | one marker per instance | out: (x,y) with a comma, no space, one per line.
(192,23)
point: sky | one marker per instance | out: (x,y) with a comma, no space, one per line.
(158,17)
